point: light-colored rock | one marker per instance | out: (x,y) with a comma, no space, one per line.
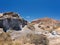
(1,30)
(14,34)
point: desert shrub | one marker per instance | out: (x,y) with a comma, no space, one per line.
(30,38)
(38,39)
(5,39)
(17,42)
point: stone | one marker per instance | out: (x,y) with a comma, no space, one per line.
(13,21)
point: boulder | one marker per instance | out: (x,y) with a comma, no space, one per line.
(11,20)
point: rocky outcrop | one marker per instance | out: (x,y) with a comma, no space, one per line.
(11,20)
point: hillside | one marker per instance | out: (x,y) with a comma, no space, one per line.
(14,30)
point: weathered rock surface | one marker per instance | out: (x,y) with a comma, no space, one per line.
(11,20)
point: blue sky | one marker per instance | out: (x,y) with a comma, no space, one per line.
(32,9)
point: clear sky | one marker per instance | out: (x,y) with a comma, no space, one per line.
(32,9)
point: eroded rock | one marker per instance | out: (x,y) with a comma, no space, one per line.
(11,20)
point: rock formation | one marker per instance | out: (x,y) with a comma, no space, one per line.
(11,20)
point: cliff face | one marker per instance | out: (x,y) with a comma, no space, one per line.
(11,20)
